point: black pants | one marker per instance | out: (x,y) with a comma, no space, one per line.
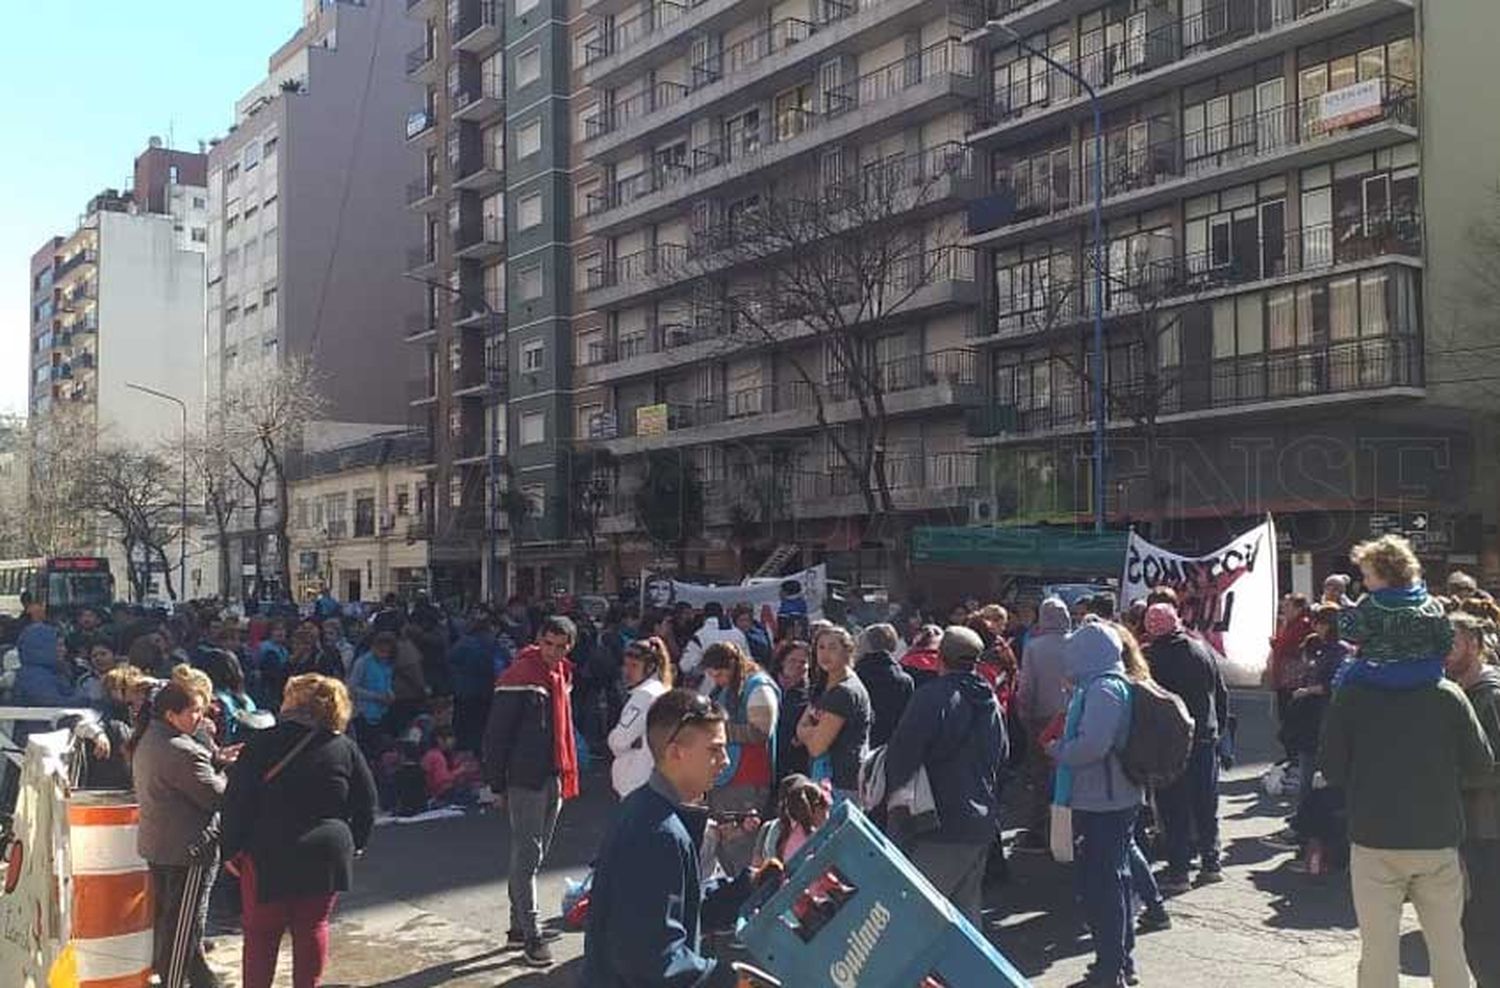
(181,895)
(470,714)
(1482,911)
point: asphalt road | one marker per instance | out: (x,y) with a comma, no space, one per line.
(430,905)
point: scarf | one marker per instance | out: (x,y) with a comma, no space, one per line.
(530,669)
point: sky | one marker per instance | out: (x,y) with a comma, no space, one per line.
(85,84)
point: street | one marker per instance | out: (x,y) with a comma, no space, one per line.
(430,905)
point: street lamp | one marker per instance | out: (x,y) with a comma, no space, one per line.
(1097,357)
(492,458)
(182,535)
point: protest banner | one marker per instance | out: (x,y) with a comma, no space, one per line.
(1227,598)
(661,591)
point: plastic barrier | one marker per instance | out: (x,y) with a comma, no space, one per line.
(111,922)
(855,912)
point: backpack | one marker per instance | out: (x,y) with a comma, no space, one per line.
(1160,741)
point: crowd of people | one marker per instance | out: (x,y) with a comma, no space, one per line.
(732,733)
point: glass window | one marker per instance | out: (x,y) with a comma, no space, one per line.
(533,355)
(1373,320)
(1343,308)
(529,282)
(1223,328)
(533,428)
(529,139)
(1248,317)
(529,211)
(1401,60)
(1281,319)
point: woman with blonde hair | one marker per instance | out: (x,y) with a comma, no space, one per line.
(300,805)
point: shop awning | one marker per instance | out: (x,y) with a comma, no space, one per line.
(1036,550)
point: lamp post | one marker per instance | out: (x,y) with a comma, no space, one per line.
(492,457)
(183,522)
(1097,357)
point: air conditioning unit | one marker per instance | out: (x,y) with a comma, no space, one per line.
(983,511)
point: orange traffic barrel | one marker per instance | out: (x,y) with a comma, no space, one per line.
(111,935)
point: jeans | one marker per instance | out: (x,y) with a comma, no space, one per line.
(1189,811)
(1142,882)
(533,819)
(265,922)
(1482,912)
(470,714)
(1105,870)
(1382,880)
(180,894)
(957,871)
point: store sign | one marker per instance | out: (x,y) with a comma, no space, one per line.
(1350,105)
(651,420)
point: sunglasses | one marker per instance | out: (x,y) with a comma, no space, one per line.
(700,711)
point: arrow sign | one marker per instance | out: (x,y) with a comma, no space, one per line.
(1418,522)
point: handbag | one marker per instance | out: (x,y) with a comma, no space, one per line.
(1062,834)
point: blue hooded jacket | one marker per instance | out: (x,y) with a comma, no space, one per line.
(1089,774)
(477,660)
(647,901)
(41,682)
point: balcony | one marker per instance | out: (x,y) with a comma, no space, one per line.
(1350,370)
(780,54)
(419,8)
(76,298)
(422,192)
(478,240)
(1143,170)
(882,101)
(480,170)
(1228,268)
(420,327)
(83,258)
(644,271)
(422,391)
(908,385)
(470,314)
(474,25)
(419,124)
(421,260)
(421,63)
(481,99)
(1151,59)
(936,281)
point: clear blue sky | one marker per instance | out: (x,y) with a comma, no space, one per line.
(85,83)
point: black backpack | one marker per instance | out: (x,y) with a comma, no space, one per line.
(1160,742)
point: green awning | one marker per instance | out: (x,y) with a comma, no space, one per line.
(1041,551)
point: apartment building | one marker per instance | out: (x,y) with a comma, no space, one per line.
(359,519)
(701,120)
(308,231)
(1288,187)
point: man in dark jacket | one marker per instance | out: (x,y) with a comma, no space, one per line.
(476,660)
(1469,665)
(648,904)
(952,727)
(889,685)
(1190,806)
(531,764)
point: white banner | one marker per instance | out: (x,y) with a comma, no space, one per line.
(661,591)
(1228,599)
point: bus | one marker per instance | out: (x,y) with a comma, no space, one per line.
(65,584)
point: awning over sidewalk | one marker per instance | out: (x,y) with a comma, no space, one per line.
(1040,551)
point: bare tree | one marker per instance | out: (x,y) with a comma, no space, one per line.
(836,261)
(219,491)
(59,452)
(266,416)
(135,490)
(592,479)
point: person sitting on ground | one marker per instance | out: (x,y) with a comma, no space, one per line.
(801,808)
(452,777)
(648,904)
(1402,633)
(889,686)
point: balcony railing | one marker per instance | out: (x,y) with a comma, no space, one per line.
(418,122)
(490,85)
(946,58)
(420,257)
(418,57)
(466,18)
(1149,153)
(422,188)
(1344,367)
(488,158)
(634,29)
(419,324)
(616,115)
(86,256)
(653,262)
(489,231)
(880,179)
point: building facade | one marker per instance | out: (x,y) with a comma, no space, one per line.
(359,519)
(307,230)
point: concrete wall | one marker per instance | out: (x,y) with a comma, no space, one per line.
(150,329)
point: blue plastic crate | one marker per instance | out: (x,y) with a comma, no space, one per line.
(855,911)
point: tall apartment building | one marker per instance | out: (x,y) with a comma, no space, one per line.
(703,116)
(119,302)
(1288,187)
(308,231)
(493,131)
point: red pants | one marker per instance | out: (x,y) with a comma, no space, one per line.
(265,922)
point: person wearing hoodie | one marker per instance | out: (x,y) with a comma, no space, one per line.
(1092,782)
(889,686)
(1471,664)
(43,680)
(1189,807)
(476,660)
(1041,695)
(714,629)
(952,727)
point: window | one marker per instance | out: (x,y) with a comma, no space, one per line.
(403,500)
(533,428)
(200,235)
(528,67)
(252,155)
(529,282)
(526,6)
(536,499)
(364,513)
(583,271)
(586,416)
(268,297)
(529,211)
(268,148)
(231,174)
(533,355)
(528,139)
(199,202)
